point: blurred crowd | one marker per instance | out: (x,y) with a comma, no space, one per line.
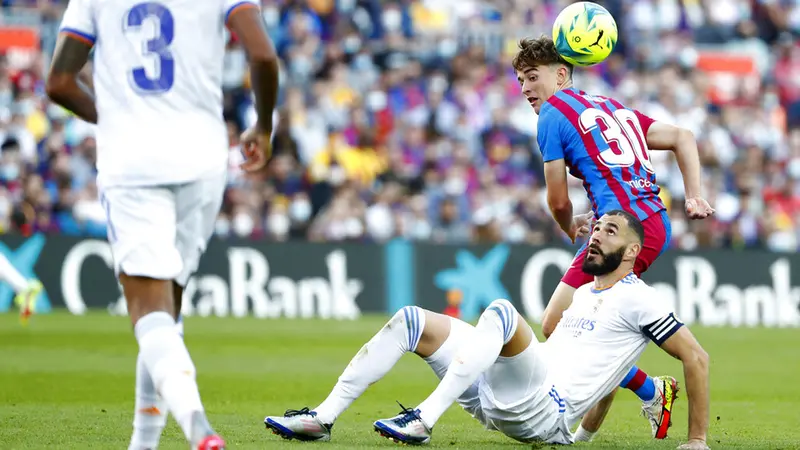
(403,118)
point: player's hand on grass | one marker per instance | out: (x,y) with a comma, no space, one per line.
(698,208)
(582,225)
(694,444)
(256,148)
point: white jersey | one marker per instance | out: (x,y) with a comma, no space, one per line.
(157,80)
(600,337)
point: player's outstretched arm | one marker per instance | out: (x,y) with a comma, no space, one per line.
(663,136)
(683,346)
(64,85)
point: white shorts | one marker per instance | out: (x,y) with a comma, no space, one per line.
(513,396)
(162,231)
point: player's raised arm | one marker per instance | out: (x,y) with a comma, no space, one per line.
(663,136)
(64,85)
(682,345)
(244,19)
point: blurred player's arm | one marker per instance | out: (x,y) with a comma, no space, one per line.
(682,345)
(262,58)
(663,136)
(64,82)
(555,176)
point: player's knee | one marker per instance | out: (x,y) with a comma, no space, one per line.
(505,315)
(408,321)
(405,317)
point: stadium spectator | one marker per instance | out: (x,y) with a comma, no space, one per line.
(403,118)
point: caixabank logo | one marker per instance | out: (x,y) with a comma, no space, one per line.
(22,258)
(474,282)
(712,288)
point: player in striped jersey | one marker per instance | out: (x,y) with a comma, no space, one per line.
(607,146)
(505,378)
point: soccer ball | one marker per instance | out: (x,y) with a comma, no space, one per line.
(584,33)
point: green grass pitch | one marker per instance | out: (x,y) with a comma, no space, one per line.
(67,382)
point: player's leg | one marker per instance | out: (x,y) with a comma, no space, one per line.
(658,394)
(594,418)
(27,291)
(150,409)
(412,329)
(500,332)
(142,229)
(197,207)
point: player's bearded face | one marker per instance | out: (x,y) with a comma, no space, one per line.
(597,262)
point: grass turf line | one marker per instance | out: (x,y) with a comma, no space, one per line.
(67,382)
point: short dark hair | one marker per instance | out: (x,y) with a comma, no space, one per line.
(633,222)
(539,51)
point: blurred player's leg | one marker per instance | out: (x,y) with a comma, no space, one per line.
(498,333)
(142,230)
(150,413)
(411,329)
(27,290)
(150,409)
(162,350)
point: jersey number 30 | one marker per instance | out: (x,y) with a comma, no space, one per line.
(156,48)
(624,135)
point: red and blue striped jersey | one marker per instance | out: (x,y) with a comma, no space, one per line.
(603,144)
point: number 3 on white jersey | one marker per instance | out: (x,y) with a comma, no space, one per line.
(623,134)
(155,49)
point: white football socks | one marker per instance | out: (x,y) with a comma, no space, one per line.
(581,435)
(150,410)
(477,353)
(150,413)
(401,334)
(12,276)
(167,360)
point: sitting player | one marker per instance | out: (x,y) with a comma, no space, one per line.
(607,146)
(499,373)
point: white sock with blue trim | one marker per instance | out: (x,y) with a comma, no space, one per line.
(401,334)
(478,352)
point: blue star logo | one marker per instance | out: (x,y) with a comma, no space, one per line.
(477,279)
(23,259)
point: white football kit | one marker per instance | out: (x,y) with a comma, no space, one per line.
(540,394)
(162,144)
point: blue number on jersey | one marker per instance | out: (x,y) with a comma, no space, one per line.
(159,46)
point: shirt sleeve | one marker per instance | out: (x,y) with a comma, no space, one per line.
(231,6)
(549,136)
(78,21)
(645,121)
(653,315)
